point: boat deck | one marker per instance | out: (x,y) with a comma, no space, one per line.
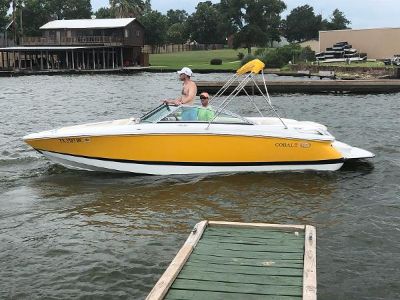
(224,260)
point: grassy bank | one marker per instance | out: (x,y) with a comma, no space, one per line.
(199,60)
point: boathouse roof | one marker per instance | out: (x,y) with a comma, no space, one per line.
(88,23)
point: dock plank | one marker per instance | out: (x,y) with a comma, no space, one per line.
(247,288)
(195,266)
(246,261)
(292,248)
(252,240)
(242,278)
(207,295)
(255,233)
(240,254)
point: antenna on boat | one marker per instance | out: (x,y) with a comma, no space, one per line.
(253,67)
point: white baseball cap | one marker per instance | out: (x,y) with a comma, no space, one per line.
(186,71)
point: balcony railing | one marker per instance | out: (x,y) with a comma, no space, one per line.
(81,40)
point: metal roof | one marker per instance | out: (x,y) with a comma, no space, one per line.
(88,23)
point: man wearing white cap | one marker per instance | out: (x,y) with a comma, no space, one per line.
(189,89)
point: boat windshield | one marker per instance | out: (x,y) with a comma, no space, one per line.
(191,114)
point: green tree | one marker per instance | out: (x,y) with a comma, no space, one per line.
(104,13)
(38,14)
(32,14)
(176,16)
(155,25)
(4,7)
(337,21)
(302,24)
(71,9)
(128,8)
(204,24)
(177,33)
(256,22)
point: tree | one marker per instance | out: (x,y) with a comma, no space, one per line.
(204,24)
(4,7)
(71,9)
(177,33)
(36,11)
(302,24)
(176,16)
(104,13)
(256,22)
(39,12)
(338,21)
(128,8)
(155,25)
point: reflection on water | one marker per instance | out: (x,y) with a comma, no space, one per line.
(69,234)
(231,196)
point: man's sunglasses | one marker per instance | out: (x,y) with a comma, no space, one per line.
(203,97)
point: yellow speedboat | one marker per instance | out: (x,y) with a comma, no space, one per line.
(165,142)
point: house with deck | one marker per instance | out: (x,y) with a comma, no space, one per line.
(83,44)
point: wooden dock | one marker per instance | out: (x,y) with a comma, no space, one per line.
(225,260)
(311,86)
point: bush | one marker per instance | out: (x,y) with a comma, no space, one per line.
(216,61)
(274,59)
(259,52)
(240,55)
(306,54)
(247,58)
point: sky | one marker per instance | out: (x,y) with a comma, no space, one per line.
(361,13)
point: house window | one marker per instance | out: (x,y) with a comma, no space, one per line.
(137,33)
(126,33)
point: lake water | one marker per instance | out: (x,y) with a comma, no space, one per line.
(69,234)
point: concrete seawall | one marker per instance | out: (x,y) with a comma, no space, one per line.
(312,86)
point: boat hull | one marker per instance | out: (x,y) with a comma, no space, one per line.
(163,154)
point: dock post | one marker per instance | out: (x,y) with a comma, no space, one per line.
(122,59)
(41,60)
(94,60)
(66,58)
(19,60)
(108,58)
(8,62)
(98,59)
(83,59)
(112,54)
(73,60)
(47,60)
(104,59)
(30,59)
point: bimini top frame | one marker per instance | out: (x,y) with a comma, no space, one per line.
(246,74)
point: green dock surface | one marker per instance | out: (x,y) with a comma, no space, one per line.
(230,261)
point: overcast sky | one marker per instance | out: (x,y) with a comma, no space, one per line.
(361,13)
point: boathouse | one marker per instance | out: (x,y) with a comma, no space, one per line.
(83,44)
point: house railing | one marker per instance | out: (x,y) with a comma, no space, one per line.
(80,40)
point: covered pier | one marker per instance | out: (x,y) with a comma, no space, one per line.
(62,58)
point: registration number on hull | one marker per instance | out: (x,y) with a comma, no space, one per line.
(73,140)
